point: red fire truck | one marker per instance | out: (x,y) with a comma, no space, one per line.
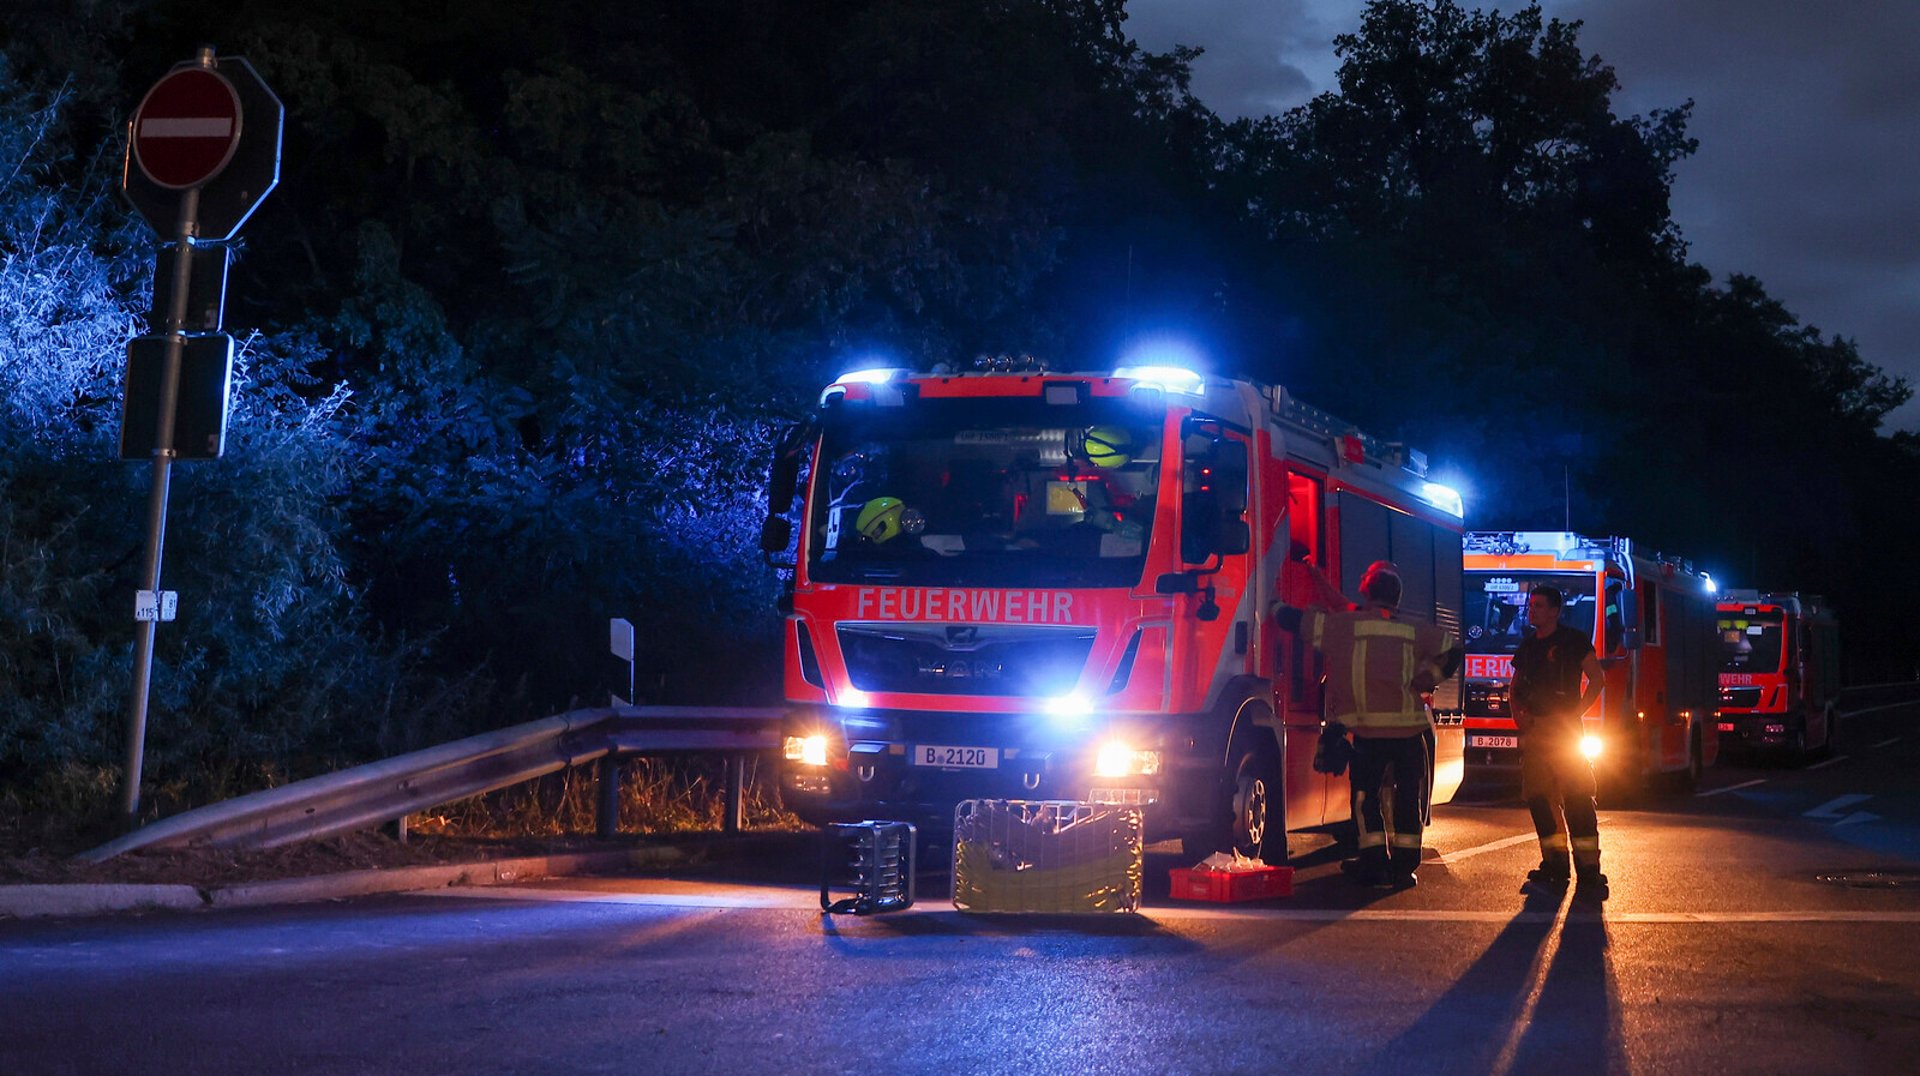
(1651,622)
(1780,673)
(1020,584)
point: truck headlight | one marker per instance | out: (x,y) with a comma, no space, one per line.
(1590,746)
(1118,758)
(807,750)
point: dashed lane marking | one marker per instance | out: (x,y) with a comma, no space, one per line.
(797,900)
(1731,788)
(1884,743)
(1829,762)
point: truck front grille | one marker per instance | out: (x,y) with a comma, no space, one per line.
(965,659)
(1740,698)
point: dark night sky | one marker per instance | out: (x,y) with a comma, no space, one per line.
(1807,116)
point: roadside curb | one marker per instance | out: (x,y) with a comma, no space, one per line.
(30,901)
(38,901)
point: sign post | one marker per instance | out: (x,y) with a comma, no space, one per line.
(203,150)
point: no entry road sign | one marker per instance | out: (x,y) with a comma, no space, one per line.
(186,128)
(211,126)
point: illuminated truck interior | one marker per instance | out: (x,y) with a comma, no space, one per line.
(1752,642)
(1496,613)
(986,493)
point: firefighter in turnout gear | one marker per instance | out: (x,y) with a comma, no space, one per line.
(1379,664)
(1556,779)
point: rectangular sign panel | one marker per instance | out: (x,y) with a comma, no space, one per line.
(200,417)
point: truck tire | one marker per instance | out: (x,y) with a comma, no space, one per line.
(1828,740)
(1621,782)
(1250,817)
(1687,781)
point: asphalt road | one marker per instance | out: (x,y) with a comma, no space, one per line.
(1722,949)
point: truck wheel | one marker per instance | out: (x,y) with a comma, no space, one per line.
(1252,820)
(1621,784)
(1689,778)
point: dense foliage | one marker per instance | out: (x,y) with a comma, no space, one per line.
(536,291)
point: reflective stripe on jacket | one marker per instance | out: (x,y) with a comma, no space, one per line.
(1371,662)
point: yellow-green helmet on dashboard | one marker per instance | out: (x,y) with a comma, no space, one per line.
(879,519)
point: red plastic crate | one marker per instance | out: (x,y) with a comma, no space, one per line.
(1226,887)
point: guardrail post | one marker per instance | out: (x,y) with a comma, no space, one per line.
(607,817)
(736,782)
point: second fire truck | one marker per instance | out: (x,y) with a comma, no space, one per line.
(1020,584)
(1651,619)
(1781,672)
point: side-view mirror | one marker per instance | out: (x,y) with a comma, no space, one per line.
(1235,537)
(782,481)
(1199,514)
(1176,583)
(775,533)
(1633,639)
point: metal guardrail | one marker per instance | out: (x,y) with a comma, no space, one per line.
(1858,695)
(380,792)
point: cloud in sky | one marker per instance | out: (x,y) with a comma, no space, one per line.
(1805,114)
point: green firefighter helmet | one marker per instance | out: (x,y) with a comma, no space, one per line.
(1109,446)
(879,519)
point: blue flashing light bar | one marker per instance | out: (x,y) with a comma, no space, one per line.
(873,375)
(1445,498)
(1165,378)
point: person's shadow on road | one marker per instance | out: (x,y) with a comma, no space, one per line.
(1507,1014)
(1575,1024)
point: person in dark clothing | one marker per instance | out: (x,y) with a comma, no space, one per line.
(1556,778)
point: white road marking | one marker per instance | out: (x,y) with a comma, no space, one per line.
(773,898)
(1834,808)
(1829,762)
(1479,849)
(1884,743)
(1877,709)
(1731,788)
(800,900)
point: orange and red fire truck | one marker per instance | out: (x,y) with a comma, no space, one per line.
(1651,622)
(1031,585)
(1780,673)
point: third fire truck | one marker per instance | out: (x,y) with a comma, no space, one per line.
(1651,619)
(1019,584)
(1780,673)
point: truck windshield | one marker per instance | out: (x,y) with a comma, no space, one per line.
(1496,620)
(986,492)
(1751,642)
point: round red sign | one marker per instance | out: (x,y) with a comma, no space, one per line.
(186,128)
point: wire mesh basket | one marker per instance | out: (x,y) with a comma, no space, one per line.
(1046,856)
(873,859)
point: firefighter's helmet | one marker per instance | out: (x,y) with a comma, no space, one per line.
(1109,446)
(879,519)
(1381,583)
